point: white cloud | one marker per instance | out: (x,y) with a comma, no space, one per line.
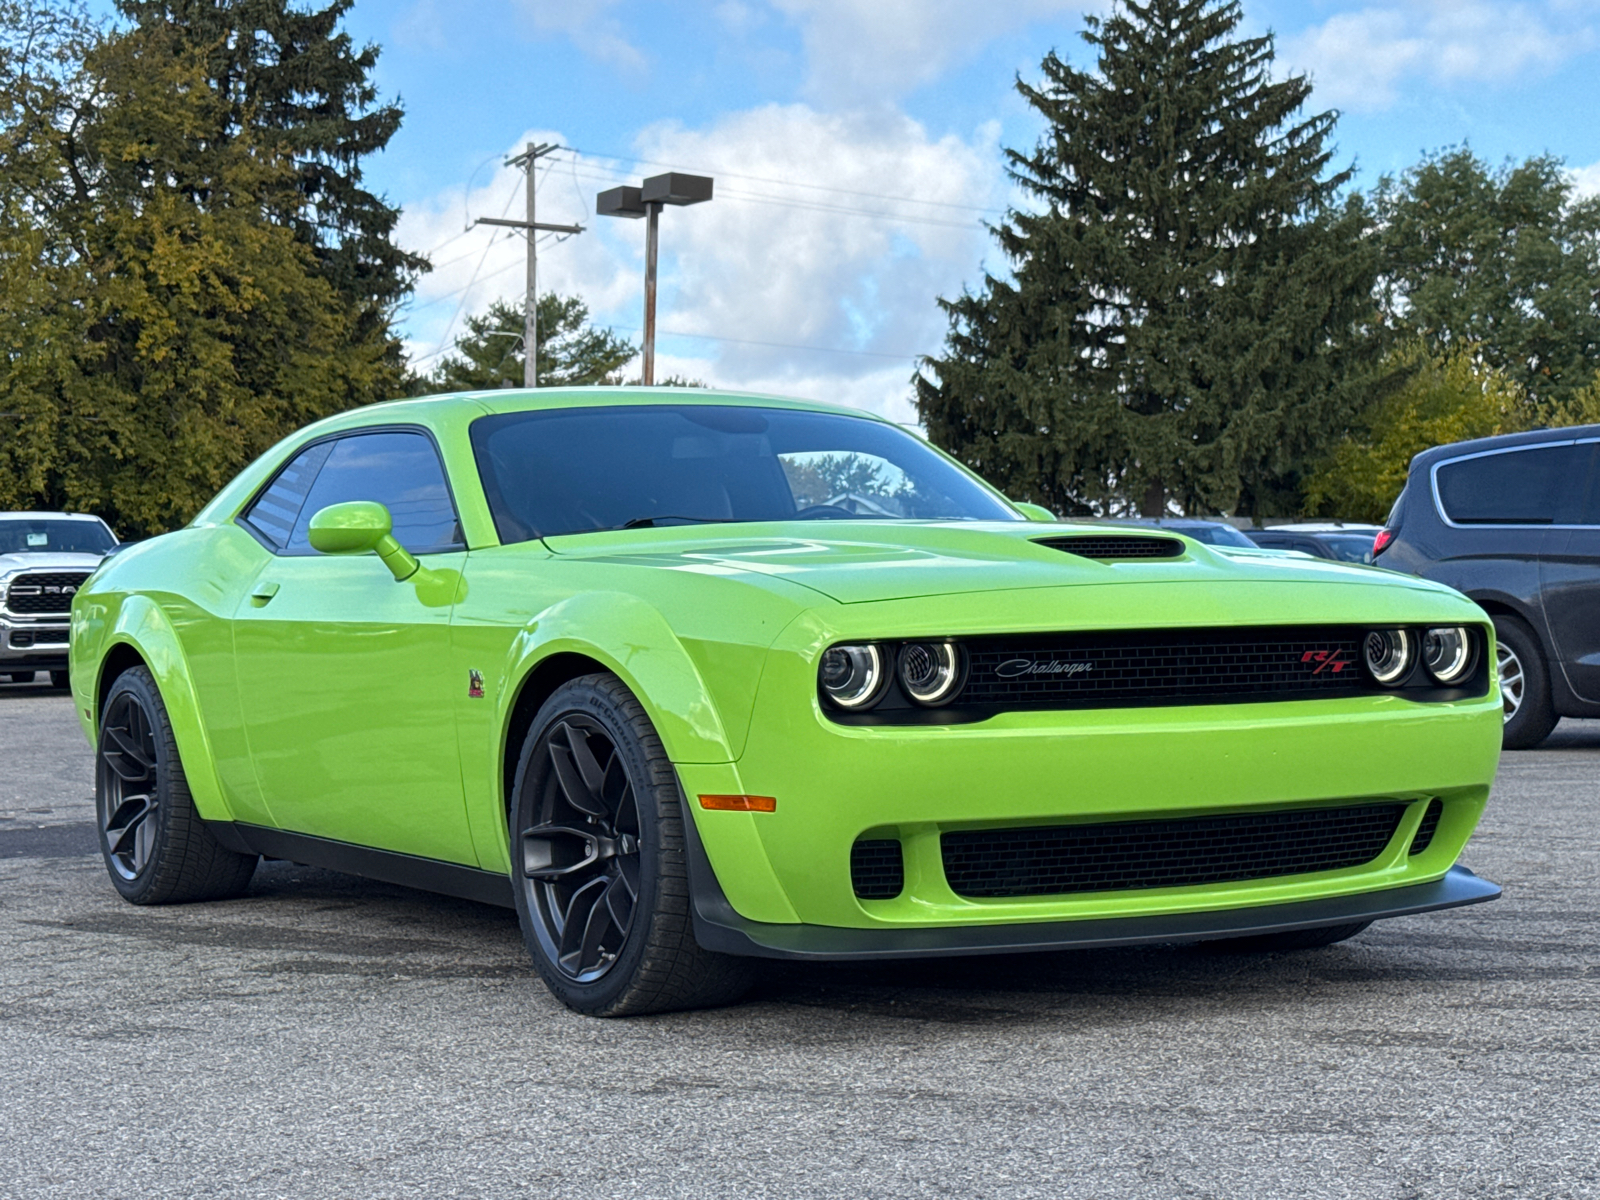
(826,292)
(875,49)
(1586,181)
(1361,60)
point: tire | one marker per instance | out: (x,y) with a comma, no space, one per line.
(1525,684)
(603,895)
(60,679)
(156,848)
(1293,939)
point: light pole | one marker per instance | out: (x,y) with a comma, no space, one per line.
(646,201)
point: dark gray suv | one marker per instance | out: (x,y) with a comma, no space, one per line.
(1514,522)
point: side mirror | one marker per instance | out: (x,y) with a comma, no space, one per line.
(1034,512)
(356,527)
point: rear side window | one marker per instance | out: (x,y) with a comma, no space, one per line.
(277,509)
(1536,486)
(399,470)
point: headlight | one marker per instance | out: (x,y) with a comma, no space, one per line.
(1388,655)
(930,672)
(852,676)
(1447,653)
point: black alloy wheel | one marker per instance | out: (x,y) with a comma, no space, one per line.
(156,847)
(581,861)
(597,846)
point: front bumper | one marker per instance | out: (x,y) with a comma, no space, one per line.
(39,645)
(719,928)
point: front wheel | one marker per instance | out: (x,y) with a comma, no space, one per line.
(156,847)
(1524,685)
(597,848)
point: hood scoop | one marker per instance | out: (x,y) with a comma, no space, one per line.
(1109,546)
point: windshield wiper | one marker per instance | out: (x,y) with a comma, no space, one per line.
(650,522)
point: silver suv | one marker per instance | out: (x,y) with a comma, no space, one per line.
(44,559)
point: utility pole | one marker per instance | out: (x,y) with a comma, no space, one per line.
(531,229)
(646,201)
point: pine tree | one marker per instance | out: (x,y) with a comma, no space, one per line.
(1185,317)
(571,351)
(294,84)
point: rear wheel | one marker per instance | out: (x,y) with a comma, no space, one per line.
(1524,684)
(601,885)
(156,847)
(1293,939)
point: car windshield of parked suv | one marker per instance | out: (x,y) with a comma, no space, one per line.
(1349,547)
(25,535)
(1214,534)
(579,470)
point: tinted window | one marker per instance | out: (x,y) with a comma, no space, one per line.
(585,469)
(1514,487)
(39,535)
(1348,547)
(1214,534)
(277,509)
(401,471)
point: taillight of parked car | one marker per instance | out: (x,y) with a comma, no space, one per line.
(1381,542)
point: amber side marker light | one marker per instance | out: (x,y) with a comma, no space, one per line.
(740,803)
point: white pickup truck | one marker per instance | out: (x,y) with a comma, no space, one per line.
(44,559)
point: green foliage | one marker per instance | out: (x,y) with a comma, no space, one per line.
(1433,400)
(1503,260)
(571,352)
(1187,317)
(159,326)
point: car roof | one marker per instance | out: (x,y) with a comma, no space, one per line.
(1321,527)
(51,516)
(1532,437)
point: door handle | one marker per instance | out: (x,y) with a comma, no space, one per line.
(262,593)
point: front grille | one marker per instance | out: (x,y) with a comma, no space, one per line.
(1164,666)
(877,870)
(42,593)
(1114,546)
(1151,854)
(1429,826)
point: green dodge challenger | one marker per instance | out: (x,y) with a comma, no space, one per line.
(690,678)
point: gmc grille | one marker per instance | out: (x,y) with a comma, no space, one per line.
(1126,855)
(41,593)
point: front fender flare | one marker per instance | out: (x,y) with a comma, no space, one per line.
(142,625)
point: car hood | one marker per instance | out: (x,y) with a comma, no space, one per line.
(857,562)
(48,562)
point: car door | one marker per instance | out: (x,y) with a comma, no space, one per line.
(344,675)
(1569,576)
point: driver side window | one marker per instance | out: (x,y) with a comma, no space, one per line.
(398,469)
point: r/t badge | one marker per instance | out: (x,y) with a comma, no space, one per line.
(474,684)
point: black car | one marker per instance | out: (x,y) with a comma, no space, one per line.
(1514,522)
(1343,543)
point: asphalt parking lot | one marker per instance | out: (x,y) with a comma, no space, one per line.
(332,1037)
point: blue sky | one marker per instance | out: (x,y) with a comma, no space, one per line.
(856,146)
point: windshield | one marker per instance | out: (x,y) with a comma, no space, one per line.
(1349,547)
(41,535)
(577,470)
(1214,535)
